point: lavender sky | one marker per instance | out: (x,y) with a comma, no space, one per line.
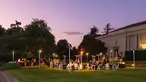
(73,15)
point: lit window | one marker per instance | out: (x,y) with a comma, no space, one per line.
(143,46)
(143,38)
(143,41)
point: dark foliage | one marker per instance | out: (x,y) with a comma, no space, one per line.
(26,42)
(62,48)
(92,45)
(140,55)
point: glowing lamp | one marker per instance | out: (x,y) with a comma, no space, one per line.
(81,52)
(133,65)
(40,51)
(87,54)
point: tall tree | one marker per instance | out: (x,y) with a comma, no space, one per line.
(63,47)
(10,41)
(16,24)
(92,45)
(94,32)
(2,31)
(28,41)
(107,29)
(39,37)
(14,30)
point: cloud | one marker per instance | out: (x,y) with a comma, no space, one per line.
(73,33)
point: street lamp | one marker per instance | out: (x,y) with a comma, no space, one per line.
(111,54)
(69,53)
(81,55)
(13,56)
(39,57)
(87,56)
(133,58)
(70,33)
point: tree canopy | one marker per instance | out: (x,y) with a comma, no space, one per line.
(92,45)
(62,48)
(2,31)
(38,36)
(25,41)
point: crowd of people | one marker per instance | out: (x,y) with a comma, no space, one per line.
(97,65)
(73,65)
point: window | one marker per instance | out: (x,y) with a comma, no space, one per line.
(143,41)
(143,38)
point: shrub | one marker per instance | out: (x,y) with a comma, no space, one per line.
(140,55)
(1,64)
(10,66)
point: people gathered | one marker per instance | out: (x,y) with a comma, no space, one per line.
(74,65)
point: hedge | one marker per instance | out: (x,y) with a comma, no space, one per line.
(140,55)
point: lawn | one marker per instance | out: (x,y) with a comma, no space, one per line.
(48,75)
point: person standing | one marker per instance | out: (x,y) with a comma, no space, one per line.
(69,67)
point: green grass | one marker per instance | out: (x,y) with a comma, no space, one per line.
(45,75)
(9,66)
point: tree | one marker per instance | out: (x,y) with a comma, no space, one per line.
(74,52)
(14,30)
(62,48)
(92,45)
(16,24)
(2,31)
(107,29)
(10,39)
(38,36)
(94,32)
(27,42)
(13,37)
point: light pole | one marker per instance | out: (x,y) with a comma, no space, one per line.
(87,56)
(13,56)
(69,53)
(81,55)
(71,33)
(111,54)
(39,57)
(133,58)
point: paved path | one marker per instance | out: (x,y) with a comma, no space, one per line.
(5,76)
(2,78)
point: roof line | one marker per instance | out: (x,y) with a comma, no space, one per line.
(128,26)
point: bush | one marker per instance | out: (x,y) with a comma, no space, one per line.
(140,55)
(1,64)
(10,66)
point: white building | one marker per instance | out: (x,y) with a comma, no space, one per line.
(126,38)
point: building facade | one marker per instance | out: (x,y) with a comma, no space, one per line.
(126,38)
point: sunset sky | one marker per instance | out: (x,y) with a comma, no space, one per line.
(73,15)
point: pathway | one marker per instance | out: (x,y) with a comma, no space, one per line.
(2,78)
(5,76)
